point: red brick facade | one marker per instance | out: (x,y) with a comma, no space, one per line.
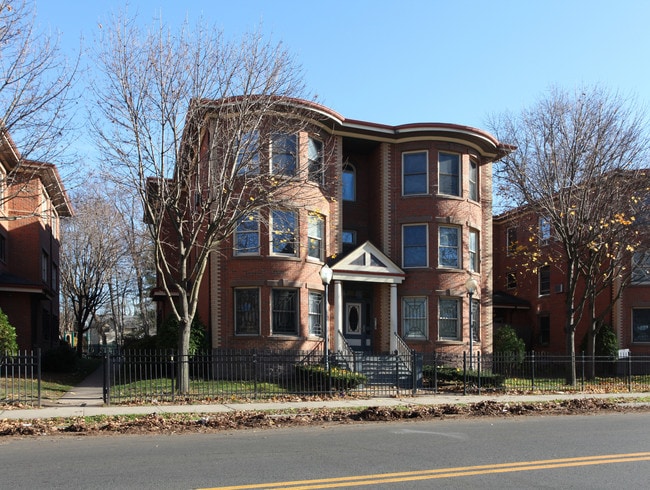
(407,219)
(537,312)
(33,201)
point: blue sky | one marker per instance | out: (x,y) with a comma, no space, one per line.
(397,62)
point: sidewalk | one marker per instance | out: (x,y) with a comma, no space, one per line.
(86,400)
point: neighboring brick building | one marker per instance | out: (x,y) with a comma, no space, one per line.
(532,299)
(32,199)
(404,218)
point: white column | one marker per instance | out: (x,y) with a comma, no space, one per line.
(338,314)
(393,317)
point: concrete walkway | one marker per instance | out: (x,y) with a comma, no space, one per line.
(86,400)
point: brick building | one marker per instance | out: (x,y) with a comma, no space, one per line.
(403,218)
(32,199)
(532,299)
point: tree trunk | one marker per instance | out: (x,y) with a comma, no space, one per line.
(183,355)
(571,378)
(80,339)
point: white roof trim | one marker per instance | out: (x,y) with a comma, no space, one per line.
(368,264)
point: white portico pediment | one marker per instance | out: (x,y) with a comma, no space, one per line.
(367,263)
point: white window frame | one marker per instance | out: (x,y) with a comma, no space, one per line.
(442,176)
(280,143)
(316,312)
(511,245)
(256,312)
(315,162)
(540,271)
(295,331)
(315,235)
(457,247)
(406,246)
(248,153)
(294,232)
(405,155)
(474,248)
(544,231)
(415,309)
(641,267)
(473,180)
(250,218)
(443,319)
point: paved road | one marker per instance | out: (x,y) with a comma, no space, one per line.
(602,451)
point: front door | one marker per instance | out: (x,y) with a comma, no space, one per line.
(357,331)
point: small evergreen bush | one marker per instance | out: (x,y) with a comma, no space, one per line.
(8,344)
(315,378)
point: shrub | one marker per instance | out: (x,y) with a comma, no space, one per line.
(315,378)
(456,375)
(63,359)
(8,342)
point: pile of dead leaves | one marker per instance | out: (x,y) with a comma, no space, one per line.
(180,423)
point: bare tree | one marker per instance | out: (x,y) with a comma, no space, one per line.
(577,166)
(35,91)
(187,120)
(91,249)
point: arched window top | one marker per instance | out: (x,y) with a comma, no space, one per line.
(349,182)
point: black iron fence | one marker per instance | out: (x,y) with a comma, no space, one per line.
(20,378)
(229,375)
(535,372)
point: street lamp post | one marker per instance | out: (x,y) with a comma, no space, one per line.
(326,276)
(471,285)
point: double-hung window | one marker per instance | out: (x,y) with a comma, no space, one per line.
(285,311)
(448,246)
(449,174)
(415,175)
(474,325)
(544,278)
(315,229)
(473,250)
(248,157)
(316,313)
(283,154)
(641,267)
(414,244)
(283,232)
(247,311)
(247,235)
(511,240)
(473,180)
(414,317)
(448,323)
(315,160)
(544,231)
(641,325)
(45,266)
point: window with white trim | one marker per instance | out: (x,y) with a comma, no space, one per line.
(641,267)
(449,174)
(415,173)
(316,309)
(473,250)
(247,311)
(473,180)
(641,325)
(315,231)
(284,311)
(414,245)
(414,317)
(544,279)
(284,226)
(315,160)
(511,240)
(448,323)
(247,235)
(283,154)
(544,231)
(448,246)
(248,156)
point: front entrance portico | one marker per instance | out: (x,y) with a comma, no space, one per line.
(358,312)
